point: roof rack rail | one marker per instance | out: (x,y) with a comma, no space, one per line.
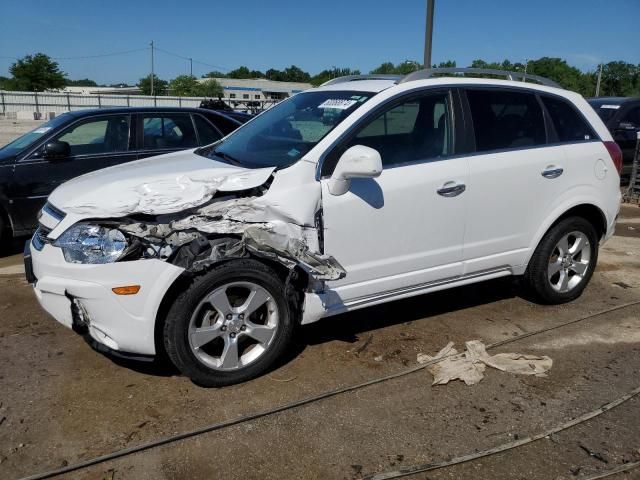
(355,78)
(430,72)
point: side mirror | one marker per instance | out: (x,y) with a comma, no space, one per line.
(357,162)
(56,150)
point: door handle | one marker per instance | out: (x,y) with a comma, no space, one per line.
(552,171)
(452,189)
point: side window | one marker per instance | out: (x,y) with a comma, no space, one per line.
(98,135)
(416,129)
(632,116)
(569,124)
(168,131)
(505,119)
(206,132)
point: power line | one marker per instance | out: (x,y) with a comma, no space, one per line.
(190,59)
(81,57)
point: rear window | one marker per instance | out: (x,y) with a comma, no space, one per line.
(605,110)
(506,119)
(569,124)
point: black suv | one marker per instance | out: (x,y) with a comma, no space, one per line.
(621,115)
(32,166)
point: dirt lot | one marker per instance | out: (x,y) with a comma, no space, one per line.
(12,129)
(61,402)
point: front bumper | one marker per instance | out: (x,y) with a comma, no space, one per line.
(124,323)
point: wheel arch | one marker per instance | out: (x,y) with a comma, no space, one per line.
(587,210)
(296,280)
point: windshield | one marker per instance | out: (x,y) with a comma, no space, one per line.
(281,135)
(29,138)
(605,110)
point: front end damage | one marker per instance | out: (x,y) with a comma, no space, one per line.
(230,227)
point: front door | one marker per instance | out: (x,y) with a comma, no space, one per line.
(406,227)
(95,143)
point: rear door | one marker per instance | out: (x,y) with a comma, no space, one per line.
(95,142)
(515,176)
(160,133)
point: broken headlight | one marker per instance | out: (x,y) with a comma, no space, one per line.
(84,243)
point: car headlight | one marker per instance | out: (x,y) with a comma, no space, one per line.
(84,243)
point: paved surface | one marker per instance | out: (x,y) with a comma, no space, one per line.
(12,129)
(61,402)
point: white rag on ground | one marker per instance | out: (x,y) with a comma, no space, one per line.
(469,366)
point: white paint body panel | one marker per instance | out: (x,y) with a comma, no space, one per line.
(395,236)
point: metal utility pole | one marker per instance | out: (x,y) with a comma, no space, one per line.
(152,74)
(598,84)
(526,64)
(191,67)
(428,34)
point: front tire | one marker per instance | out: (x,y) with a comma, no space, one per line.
(563,262)
(229,325)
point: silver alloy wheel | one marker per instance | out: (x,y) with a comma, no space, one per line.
(569,262)
(233,326)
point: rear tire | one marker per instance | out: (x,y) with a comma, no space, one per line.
(230,324)
(563,262)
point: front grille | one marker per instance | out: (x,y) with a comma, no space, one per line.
(40,238)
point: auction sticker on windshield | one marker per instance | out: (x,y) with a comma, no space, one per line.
(337,103)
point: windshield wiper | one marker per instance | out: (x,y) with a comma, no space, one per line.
(228,158)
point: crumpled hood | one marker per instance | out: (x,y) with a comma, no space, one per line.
(157,185)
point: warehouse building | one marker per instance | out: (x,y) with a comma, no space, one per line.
(258,89)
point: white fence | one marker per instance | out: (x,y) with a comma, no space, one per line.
(39,105)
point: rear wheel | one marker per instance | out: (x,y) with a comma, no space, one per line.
(229,325)
(563,262)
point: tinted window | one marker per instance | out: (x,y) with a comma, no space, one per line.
(632,116)
(206,132)
(98,135)
(29,138)
(569,124)
(284,133)
(504,119)
(168,131)
(417,129)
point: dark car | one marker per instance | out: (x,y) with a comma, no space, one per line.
(621,115)
(32,166)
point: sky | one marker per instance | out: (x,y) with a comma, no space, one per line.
(312,35)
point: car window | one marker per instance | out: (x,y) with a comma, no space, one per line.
(416,129)
(505,119)
(206,132)
(98,135)
(569,124)
(168,131)
(632,116)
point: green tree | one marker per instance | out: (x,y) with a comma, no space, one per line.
(85,82)
(296,74)
(210,88)
(36,73)
(184,86)
(214,74)
(275,75)
(326,75)
(159,86)
(240,72)
(386,68)
(620,79)
(561,72)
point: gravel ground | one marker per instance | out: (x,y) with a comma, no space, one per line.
(12,129)
(61,402)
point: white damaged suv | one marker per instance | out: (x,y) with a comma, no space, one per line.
(363,191)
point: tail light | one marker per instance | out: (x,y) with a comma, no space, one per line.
(616,154)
